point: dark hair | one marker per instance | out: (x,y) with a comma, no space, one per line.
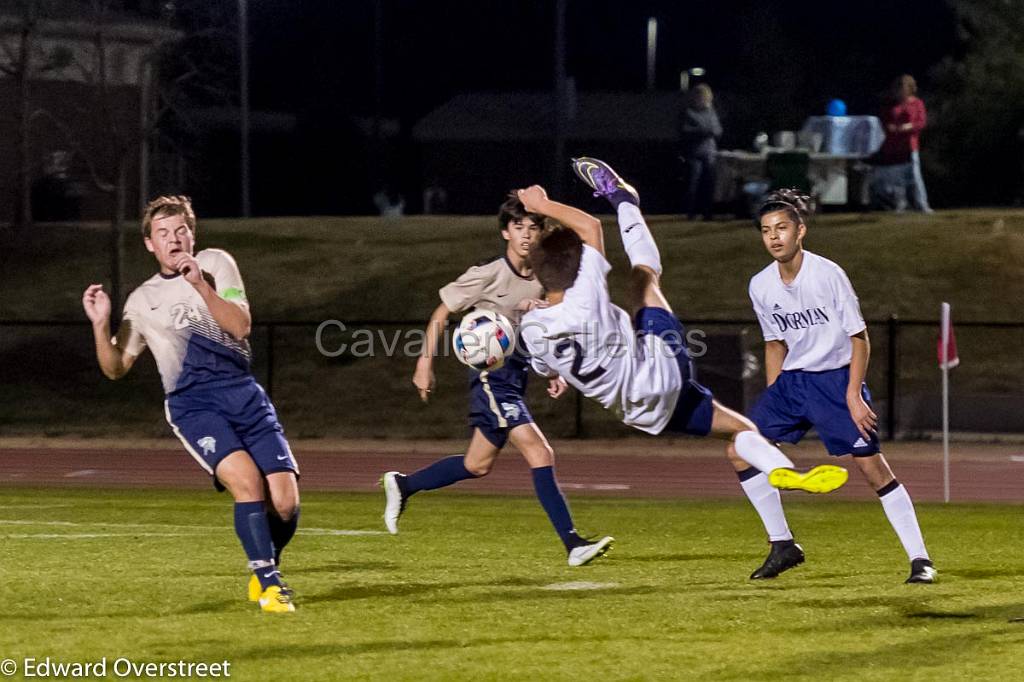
(513,211)
(165,206)
(555,258)
(793,201)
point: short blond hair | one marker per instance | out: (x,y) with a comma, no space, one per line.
(164,206)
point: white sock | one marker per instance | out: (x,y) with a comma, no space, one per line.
(768,504)
(636,238)
(759,453)
(900,511)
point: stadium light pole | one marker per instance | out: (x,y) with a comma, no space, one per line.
(243,87)
(652,51)
(561,86)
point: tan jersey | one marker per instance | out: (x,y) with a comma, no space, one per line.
(167,314)
(492,285)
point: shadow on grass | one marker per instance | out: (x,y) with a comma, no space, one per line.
(395,645)
(352,591)
(722,556)
(570,595)
(905,602)
(996,612)
(219,606)
(917,655)
(211,606)
(981,573)
(342,566)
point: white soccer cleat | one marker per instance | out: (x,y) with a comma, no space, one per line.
(394,501)
(584,554)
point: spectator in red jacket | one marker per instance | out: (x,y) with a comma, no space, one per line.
(904,117)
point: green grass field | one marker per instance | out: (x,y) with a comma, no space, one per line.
(470,591)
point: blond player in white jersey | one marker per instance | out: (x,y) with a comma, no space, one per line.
(637,366)
(816,355)
(194,317)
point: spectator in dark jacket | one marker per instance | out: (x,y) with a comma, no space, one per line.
(700,131)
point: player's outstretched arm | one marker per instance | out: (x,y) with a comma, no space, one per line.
(535,200)
(113,361)
(423,378)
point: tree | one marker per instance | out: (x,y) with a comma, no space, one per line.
(974,148)
(24,61)
(88,76)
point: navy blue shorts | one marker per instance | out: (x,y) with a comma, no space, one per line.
(214,421)
(799,400)
(496,404)
(694,408)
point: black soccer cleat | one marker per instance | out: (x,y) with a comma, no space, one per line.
(922,571)
(783,556)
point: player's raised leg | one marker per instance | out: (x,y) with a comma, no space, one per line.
(529,440)
(641,249)
(899,509)
(645,292)
(240,475)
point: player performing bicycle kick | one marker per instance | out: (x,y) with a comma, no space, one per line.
(638,366)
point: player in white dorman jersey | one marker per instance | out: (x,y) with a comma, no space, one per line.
(816,357)
(637,366)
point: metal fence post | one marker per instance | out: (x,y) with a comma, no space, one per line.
(893,328)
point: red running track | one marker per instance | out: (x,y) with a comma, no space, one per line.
(630,468)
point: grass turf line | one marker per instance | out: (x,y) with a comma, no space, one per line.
(460,593)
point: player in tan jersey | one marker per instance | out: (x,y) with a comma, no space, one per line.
(194,316)
(498,412)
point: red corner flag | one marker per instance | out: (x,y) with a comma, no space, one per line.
(948,358)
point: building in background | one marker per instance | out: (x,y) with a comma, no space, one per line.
(78,91)
(480,145)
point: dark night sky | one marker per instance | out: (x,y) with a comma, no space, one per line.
(780,60)
(316,53)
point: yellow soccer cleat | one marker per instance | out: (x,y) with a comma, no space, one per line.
(255,590)
(276,599)
(821,479)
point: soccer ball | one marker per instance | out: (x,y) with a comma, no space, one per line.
(483,340)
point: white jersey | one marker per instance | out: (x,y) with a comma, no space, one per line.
(167,314)
(591,343)
(815,314)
